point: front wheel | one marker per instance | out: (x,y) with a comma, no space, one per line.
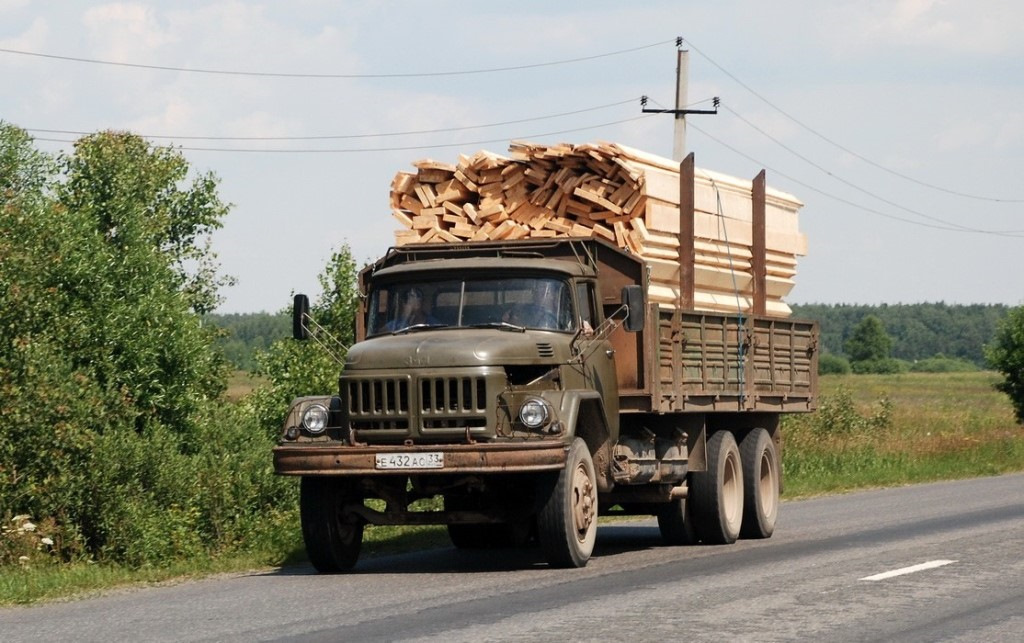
(333,536)
(567,522)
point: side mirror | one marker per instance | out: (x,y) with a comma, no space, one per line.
(300,313)
(636,309)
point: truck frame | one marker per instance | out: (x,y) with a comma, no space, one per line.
(531,430)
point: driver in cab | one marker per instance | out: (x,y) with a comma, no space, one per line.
(410,312)
(545,312)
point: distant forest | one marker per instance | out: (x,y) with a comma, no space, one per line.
(245,334)
(918,331)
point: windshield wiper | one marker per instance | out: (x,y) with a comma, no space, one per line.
(502,325)
(417,327)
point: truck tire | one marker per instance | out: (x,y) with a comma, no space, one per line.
(717,493)
(333,537)
(567,522)
(676,524)
(760,485)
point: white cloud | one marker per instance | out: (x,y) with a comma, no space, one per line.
(998,130)
(952,26)
(962,135)
(261,123)
(227,35)
(125,32)
(1010,132)
(177,116)
(11,5)
(32,39)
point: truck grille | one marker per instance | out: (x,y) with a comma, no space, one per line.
(443,394)
(453,402)
(401,407)
(379,403)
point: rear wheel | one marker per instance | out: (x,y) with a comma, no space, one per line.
(717,493)
(760,485)
(333,536)
(676,523)
(567,522)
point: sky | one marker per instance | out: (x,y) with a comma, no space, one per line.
(900,125)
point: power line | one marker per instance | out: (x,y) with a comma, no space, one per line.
(381,149)
(852,185)
(844,148)
(348,136)
(433,74)
(948,227)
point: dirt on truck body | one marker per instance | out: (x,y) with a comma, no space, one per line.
(531,385)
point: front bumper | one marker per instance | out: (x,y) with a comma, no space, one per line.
(342,460)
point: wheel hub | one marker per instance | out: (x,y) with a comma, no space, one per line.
(584,503)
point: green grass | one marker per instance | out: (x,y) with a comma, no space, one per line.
(936,427)
(54,581)
(882,430)
(42,581)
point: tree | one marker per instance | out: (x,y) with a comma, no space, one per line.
(108,379)
(869,341)
(134,193)
(1006,355)
(132,304)
(297,368)
(869,348)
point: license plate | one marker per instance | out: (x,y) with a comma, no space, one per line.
(424,460)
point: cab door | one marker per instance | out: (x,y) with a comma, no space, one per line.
(599,366)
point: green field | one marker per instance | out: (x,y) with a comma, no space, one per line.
(240,384)
(870,431)
(888,430)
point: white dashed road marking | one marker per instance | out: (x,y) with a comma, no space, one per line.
(932,564)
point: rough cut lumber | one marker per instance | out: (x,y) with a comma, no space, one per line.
(614,192)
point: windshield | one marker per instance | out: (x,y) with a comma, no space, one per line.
(522,302)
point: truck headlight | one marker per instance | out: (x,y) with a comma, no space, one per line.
(534,413)
(314,419)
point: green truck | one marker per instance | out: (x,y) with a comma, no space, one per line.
(532,386)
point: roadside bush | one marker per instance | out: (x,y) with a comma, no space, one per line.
(942,364)
(156,503)
(1006,355)
(830,364)
(880,366)
(24,543)
(112,436)
(838,417)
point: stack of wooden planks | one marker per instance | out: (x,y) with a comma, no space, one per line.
(607,190)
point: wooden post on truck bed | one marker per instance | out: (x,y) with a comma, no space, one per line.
(687,256)
(759,245)
(687,260)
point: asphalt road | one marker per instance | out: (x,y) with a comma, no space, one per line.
(823,576)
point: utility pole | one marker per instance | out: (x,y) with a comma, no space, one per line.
(682,91)
(680,111)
